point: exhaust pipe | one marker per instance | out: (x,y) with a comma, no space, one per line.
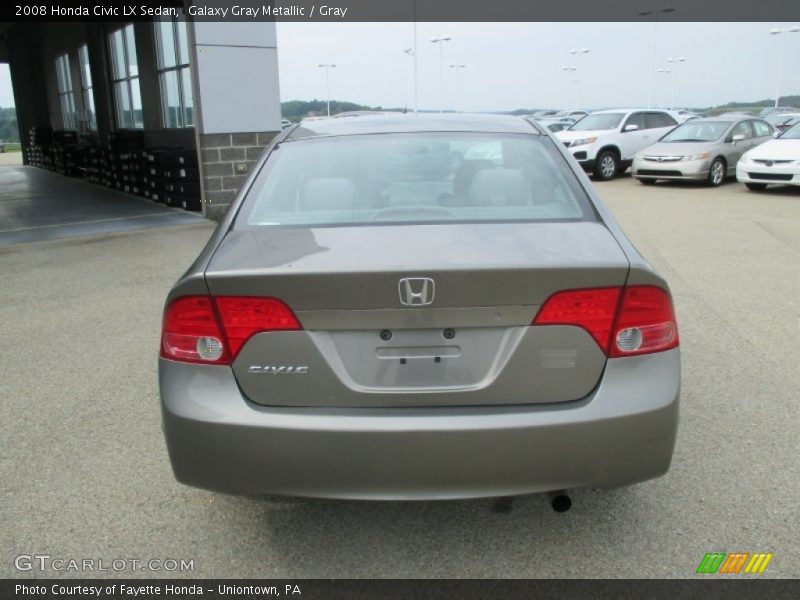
(560,501)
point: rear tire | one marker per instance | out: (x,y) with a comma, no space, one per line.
(606,166)
(756,187)
(717,172)
(647,181)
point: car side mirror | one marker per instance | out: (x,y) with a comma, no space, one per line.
(630,127)
(737,138)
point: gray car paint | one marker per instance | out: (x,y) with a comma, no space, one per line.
(618,430)
(474,266)
(623,432)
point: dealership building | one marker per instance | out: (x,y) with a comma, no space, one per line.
(174,111)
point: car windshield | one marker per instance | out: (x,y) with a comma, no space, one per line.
(792,134)
(697,131)
(414,177)
(598,121)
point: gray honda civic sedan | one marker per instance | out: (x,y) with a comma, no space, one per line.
(418,307)
(701,150)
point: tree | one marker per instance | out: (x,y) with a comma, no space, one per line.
(9,131)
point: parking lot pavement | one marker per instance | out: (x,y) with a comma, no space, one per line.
(85,474)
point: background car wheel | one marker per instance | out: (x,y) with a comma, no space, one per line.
(717,172)
(647,181)
(756,187)
(606,166)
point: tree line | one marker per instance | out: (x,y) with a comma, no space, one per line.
(9,132)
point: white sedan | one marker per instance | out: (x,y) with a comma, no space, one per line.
(776,161)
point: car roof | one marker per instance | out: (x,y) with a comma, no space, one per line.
(409,123)
(628,110)
(728,119)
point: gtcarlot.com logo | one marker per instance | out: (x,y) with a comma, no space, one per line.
(45,562)
(734,562)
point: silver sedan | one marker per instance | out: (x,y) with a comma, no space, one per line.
(701,150)
(419,307)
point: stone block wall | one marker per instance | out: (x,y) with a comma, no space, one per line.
(227,159)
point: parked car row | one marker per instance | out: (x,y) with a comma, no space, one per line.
(682,145)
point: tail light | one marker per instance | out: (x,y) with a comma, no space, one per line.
(593,310)
(646,322)
(212,330)
(624,321)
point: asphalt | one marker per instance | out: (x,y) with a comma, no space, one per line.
(85,474)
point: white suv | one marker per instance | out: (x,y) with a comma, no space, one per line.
(605,141)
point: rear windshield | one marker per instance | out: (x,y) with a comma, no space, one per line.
(414,177)
(697,131)
(598,121)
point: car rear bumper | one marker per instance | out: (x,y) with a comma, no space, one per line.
(622,433)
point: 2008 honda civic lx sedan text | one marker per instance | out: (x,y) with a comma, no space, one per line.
(418,307)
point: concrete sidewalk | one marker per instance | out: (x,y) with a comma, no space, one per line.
(38,205)
(10,159)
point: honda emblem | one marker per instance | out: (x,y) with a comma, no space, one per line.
(416,291)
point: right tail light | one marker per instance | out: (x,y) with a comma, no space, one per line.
(624,321)
(645,322)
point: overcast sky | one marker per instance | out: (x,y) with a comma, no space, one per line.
(516,65)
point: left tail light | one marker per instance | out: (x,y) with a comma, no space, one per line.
(212,329)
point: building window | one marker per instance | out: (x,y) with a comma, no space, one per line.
(125,76)
(172,50)
(90,118)
(66,96)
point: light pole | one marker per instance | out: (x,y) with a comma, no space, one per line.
(327,67)
(441,40)
(569,71)
(576,52)
(665,72)
(458,68)
(410,52)
(680,59)
(655,12)
(777,31)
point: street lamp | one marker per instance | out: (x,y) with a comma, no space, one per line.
(458,68)
(576,52)
(674,62)
(441,40)
(665,72)
(777,31)
(569,71)
(655,12)
(327,67)
(410,52)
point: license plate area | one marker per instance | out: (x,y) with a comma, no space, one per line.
(420,359)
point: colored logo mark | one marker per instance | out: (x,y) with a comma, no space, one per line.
(734,562)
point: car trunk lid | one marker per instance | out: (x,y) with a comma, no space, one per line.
(471,344)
